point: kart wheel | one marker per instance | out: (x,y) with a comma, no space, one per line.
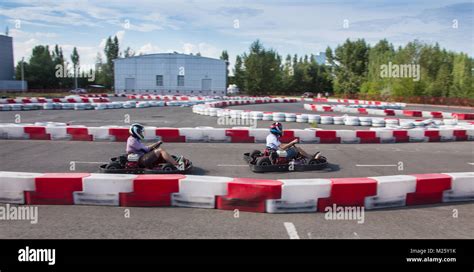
(168,168)
(264,161)
(113,166)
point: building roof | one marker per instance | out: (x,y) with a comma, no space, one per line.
(168,54)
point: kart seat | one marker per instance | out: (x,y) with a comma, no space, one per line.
(133,157)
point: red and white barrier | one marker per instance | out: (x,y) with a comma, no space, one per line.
(243,194)
(390,112)
(233,135)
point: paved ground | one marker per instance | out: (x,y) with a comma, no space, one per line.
(226,159)
(94,222)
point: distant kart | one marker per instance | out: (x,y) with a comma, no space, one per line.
(276,161)
(128,164)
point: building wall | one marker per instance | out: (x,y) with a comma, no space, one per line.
(6,58)
(144,69)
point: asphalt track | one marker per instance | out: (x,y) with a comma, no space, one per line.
(357,160)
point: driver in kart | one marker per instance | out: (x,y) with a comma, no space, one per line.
(273,143)
(148,155)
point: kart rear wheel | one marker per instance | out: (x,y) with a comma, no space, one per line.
(168,167)
(264,161)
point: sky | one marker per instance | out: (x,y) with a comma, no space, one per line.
(210,26)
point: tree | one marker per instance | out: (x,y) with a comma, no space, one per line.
(40,71)
(75,65)
(239,73)
(128,53)
(462,77)
(111,52)
(225,56)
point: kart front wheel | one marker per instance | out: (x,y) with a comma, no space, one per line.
(114,166)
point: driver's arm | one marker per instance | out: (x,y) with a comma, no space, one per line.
(288,145)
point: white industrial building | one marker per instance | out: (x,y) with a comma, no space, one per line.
(170,73)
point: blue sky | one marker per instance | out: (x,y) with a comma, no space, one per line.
(302,27)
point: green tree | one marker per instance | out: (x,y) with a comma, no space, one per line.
(75,65)
(225,56)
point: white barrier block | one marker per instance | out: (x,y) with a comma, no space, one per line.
(260,134)
(14,131)
(416,135)
(306,135)
(462,187)
(347,136)
(193,134)
(104,189)
(391,191)
(216,135)
(13,185)
(100,133)
(188,201)
(150,134)
(386,136)
(299,195)
(446,135)
(57,133)
(204,185)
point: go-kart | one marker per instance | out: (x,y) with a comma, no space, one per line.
(128,164)
(276,161)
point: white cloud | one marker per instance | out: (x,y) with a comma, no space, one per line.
(205,49)
(148,49)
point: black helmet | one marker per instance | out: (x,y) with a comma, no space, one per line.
(137,131)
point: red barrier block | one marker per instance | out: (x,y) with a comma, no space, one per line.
(249,195)
(327,108)
(362,111)
(460,135)
(56,100)
(464,116)
(55,189)
(389,112)
(288,136)
(254,189)
(367,137)
(120,134)
(170,135)
(412,113)
(437,114)
(79,133)
(348,192)
(41,100)
(37,133)
(328,137)
(401,136)
(429,189)
(11,101)
(26,100)
(71,100)
(239,136)
(151,191)
(432,135)
(224,203)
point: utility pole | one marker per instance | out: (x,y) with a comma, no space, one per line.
(22,74)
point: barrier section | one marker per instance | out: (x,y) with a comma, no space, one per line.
(299,195)
(462,187)
(104,189)
(55,189)
(200,191)
(391,191)
(14,184)
(151,191)
(250,195)
(348,192)
(170,135)
(429,189)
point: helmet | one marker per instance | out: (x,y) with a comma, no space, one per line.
(276,129)
(136,130)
